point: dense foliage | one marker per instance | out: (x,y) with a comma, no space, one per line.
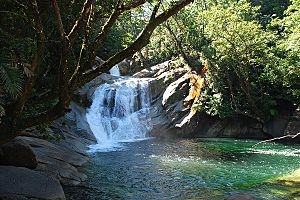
(49,49)
(251,47)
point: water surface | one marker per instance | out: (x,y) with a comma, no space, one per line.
(190,169)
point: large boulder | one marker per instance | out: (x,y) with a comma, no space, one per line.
(58,161)
(22,183)
(17,153)
(169,87)
(75,121)
(176,91)
(277,125)
(197,126)
(293,126)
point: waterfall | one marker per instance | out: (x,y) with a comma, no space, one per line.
(120,112)
(115,71)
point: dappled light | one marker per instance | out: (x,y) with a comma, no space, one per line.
(150,99)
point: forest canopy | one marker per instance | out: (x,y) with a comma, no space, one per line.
(49,48)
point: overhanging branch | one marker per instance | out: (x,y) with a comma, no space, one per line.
(278,138)
(119,9)
(142,40)
(58,19)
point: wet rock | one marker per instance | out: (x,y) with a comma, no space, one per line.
(241,196)
(293,126)
(276,125)
(76,121)
(18,153)
(23,183)
(157,87)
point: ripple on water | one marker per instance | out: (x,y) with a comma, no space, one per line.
(191,169)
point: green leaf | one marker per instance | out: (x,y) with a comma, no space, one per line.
(2,111)
(273,112)
(11,79)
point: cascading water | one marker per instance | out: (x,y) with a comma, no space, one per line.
(120,112)
(115,71)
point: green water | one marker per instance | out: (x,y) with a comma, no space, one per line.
(191,169)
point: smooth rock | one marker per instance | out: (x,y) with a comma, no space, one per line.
(18,153)
(276,126)
(23,183)
(44,148)
(293,126)
(66,173)
(176,91)
(58,161)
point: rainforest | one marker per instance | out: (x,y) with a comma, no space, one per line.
(150,99)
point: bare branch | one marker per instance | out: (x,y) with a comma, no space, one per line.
(83,45)
(58,19)
(79,24)
(104,32)
(110,22)
(278,138)
(142,40)
(133,5)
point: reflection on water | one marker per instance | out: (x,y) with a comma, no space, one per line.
(190,169)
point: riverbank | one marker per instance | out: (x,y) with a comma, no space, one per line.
(38,164)
(52,157)
(208,169)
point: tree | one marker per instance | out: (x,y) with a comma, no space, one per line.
(249,73)
(78,42)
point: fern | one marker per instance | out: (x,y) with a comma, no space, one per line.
(11,79)
(2,111)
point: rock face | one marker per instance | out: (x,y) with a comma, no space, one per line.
(293,126)
(83,96)
(18,153)
(22,183)
(54,162)
(276,125)
(238,128)
(169,87)
(57,161)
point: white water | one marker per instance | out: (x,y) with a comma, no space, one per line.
(115,71)
(120,113)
